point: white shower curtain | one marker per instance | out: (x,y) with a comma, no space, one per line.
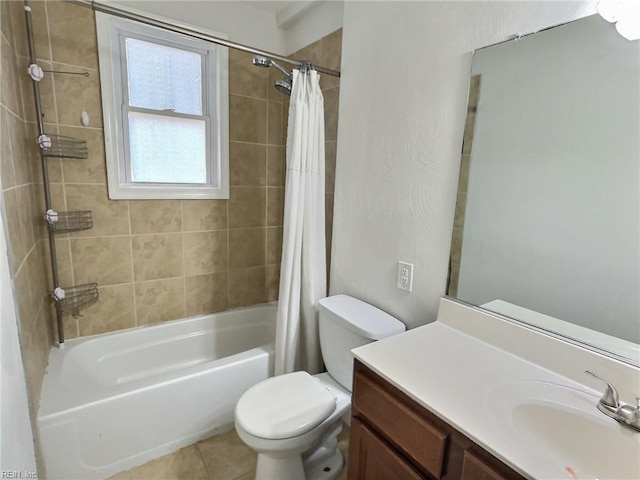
(303,269)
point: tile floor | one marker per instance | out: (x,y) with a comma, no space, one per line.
(223,457)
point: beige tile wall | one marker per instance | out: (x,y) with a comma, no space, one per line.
(19,164)
(463,180)
(158,260)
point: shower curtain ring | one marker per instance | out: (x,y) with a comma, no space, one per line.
(306,66)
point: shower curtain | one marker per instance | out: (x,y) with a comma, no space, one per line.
(303,268)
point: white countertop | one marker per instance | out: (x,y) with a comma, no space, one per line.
(464,380)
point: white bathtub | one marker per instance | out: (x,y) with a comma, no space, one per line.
(114,401)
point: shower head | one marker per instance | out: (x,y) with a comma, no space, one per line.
(264,62)
(284,85)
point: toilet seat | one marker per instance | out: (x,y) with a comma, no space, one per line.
(284,406)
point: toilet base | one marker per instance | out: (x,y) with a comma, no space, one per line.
(328,469)
(272,468)
(323,462)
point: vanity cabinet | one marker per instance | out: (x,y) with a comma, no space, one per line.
(395,438)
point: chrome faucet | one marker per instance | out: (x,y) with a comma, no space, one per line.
(610,404)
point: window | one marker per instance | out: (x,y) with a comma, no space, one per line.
(165,104)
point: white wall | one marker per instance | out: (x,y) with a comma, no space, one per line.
(320,19)
(240,21)
(403,95)
(554,198)
(282,33)
(16,437)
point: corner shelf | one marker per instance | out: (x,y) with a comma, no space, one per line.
(73,299)
(58,146)
(66,222)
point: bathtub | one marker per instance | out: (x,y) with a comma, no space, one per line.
(114,401)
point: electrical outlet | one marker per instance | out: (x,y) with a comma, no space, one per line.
(405,276)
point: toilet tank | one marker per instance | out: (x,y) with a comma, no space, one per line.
(346,323)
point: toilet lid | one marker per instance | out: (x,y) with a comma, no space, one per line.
(284,406)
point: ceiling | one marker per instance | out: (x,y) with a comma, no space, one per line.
(286,12)
(271,6)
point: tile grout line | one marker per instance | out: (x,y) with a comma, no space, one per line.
(13,168)
(14,55)
(68,125)
(266,210)
(200,454)
(76,321)
(39,311)
(184,271)
(104,184)
(111,285)
(118,235)
(40,58)
(241,95)
(121,235)
(35,324)
(46,15)
(133,273)
(66,65)
(6,107)
(244,142)
(228,290)
(23,262)
(266,191)
(2,33)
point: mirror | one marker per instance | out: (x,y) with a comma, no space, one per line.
(547,227)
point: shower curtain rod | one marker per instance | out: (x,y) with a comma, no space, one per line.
(118,12)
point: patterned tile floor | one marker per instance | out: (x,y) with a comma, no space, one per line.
(223,457)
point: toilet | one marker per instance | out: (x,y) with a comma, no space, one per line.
(292,421)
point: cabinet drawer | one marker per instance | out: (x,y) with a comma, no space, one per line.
(423,443)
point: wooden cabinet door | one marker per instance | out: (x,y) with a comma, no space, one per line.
(474,468)
(395,438)
(408,431)
(372,459)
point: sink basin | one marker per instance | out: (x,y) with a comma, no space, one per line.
(562,426)
(591,447)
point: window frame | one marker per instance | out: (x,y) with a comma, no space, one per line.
(112,35)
